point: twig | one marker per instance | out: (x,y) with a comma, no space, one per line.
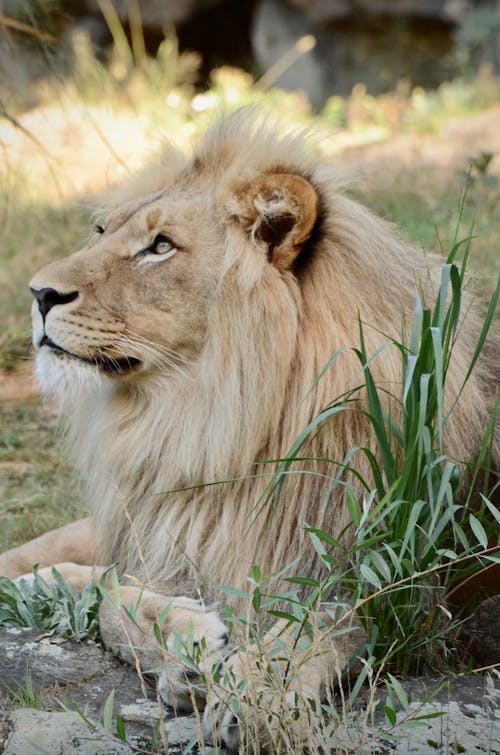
(12,23)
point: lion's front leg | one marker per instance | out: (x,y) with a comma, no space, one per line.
(74,543)
(187,627)
(268,698)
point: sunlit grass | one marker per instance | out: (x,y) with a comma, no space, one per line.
(426,207)
(37,489)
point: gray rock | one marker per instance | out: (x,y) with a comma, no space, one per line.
(481,634)
(449,11)
(377,42)
(38,732)
(462,712)
(157,14)
(78,675)
(48,661)
(276,30)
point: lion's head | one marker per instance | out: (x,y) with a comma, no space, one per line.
(186,340)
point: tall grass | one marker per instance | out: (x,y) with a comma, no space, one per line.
(417,531)
(423,525)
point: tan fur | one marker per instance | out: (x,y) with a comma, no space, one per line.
(250,339)
(273,265)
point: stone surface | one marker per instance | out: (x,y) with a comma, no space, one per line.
(156,13)
(481,633)
(78,675)
(330,10)
(276,30)
(47,660)
(377,42)
(37,731)
(460,714)
(455,729)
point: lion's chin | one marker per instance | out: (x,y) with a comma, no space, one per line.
(62,375)
(112,366)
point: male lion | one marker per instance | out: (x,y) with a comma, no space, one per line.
(184,343)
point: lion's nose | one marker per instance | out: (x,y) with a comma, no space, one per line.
(49,297)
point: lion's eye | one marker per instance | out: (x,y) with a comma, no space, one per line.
(162,245)
(99,228)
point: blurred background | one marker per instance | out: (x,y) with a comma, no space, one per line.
(408,91)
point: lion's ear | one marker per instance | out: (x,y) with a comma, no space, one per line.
(277,210)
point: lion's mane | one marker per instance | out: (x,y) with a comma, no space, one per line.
(170,464)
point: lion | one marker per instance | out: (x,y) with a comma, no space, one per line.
(191,338)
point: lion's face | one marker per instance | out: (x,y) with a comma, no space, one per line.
(135,299)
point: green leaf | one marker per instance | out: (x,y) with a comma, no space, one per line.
(324,536)
(120,729)
(353,507)
(116,588)
(233,591)
(492,557)
(478,530)
(401,694)
(303,581)
(370,576)
(107,715)
(319,547)
(256,573)
(283,615)
(256,599)
(439,377)
(390,714)
(164,615)
(416,328)
(493,509)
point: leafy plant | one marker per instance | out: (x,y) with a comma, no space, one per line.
(414,539)
(24,695)
(415,527)
(53,606)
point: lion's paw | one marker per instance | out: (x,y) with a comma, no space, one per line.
(150,631)
(194,640)
(252,708)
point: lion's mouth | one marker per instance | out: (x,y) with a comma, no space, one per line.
(109,365)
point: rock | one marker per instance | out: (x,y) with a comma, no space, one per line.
(42,670)
(481,634)
(447,11)
(449,728)
(377,42)
(462,712)
(48,662)
(156,14)
(37,731)
(276,30)
(78,675)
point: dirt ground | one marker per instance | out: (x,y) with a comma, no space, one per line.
(18,384)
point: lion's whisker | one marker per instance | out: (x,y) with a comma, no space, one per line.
(151,353)
(159,347)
